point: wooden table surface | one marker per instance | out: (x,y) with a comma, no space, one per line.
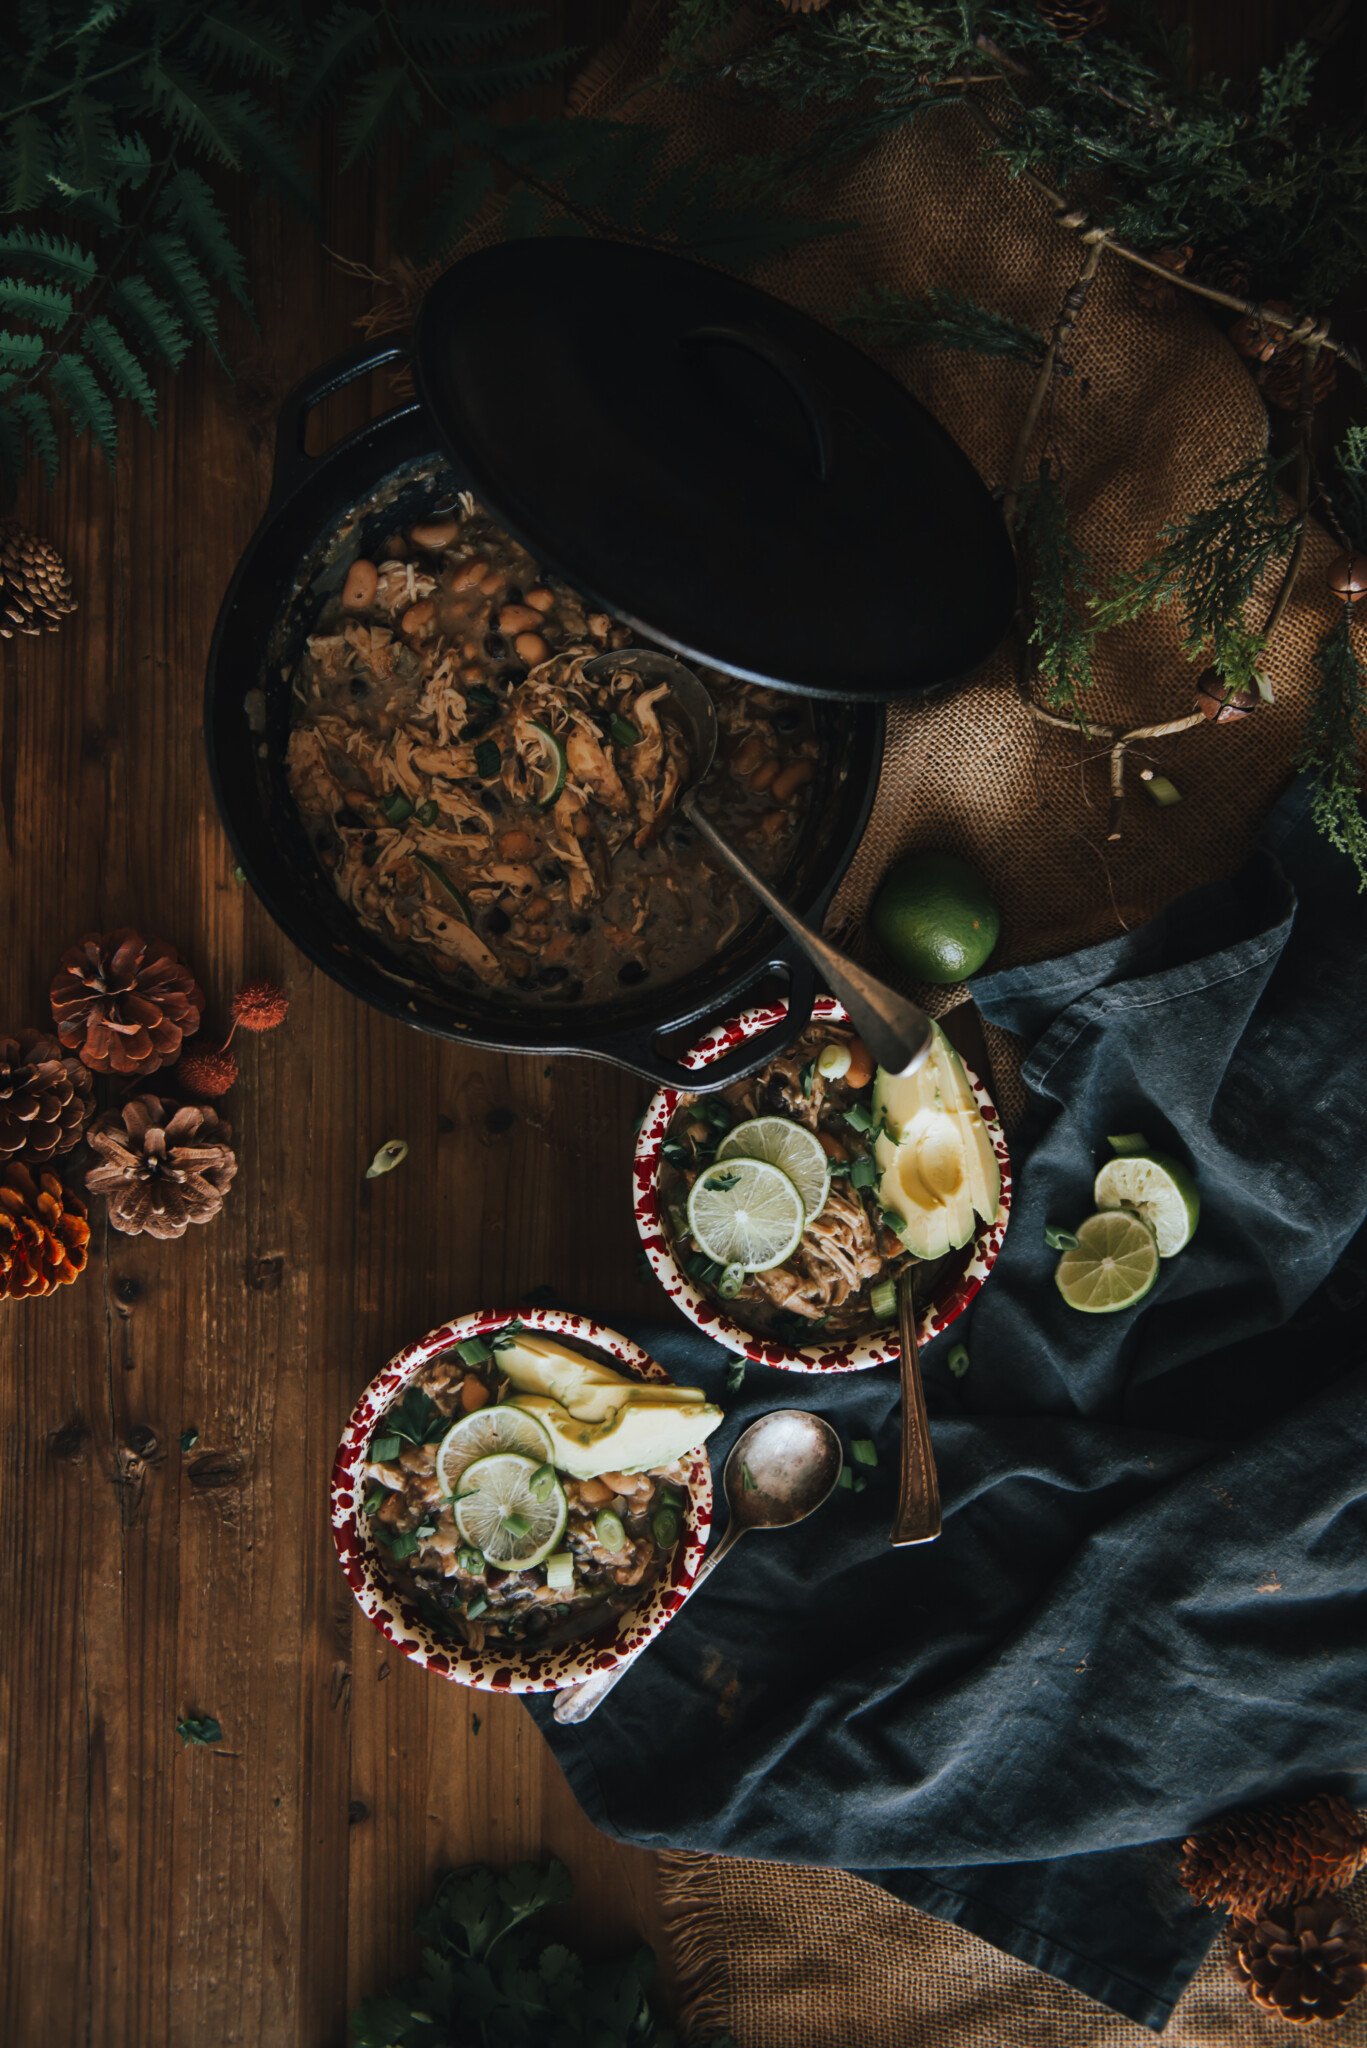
(251,1892)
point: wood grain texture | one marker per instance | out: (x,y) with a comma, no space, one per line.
(249,1893)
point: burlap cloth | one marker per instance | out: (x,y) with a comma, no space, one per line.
(1155,408)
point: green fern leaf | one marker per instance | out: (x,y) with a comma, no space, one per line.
(86,401)
(53,255)
(482,85)
(89,141)
(21,351)
(265,147)
(185,284)
(130,159)
(205,119)
(149,319)
(47,305)
(455,206)
(126,376)
(386,98)
(346,38)
(29,157)
(188,205)
(34,411)
(435,30)
(244,42)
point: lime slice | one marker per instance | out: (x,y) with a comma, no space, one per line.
(481,1434)
(549,765)
(792,1148)
(502,1513)
(1159,1189)
(1112,1266)
(745,1212)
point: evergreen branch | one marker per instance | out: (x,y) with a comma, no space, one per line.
(1350,460)
(945,320)
(1304,428)
(1333,742)
(1059,586)
(1069,313)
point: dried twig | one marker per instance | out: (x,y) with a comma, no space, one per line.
(1069,313)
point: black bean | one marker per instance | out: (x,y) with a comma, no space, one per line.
(490,802)
(631,971)
(514,673)
(787,718)
(514,593)
(551,871)
(551,977)
(580,925)
(359,685)
(494,643)
(571,992)
(496,921)
(346,816)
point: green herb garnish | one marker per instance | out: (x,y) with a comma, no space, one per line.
(624,732)
(488,760)
(720,1182)
(858,1117)
(608,1528)
(397,807)
(892,1221)
(199,1729)
(665,1525)
(957,1360)
(426,813)
(416,1418)
(516,1524)
(471,1561)
(863,1172)
(1060,1240)
(863,1450)
(735,1375)
(474,1351)
(376,1499)
(805,1078)
(542,1482)
(474,1608)
(384,1448)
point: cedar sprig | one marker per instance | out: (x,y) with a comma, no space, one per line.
(1333,743)
(1350,461)
(941,319)
(1058,581)
(1208,566)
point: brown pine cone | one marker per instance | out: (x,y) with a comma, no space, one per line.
(1276,1853)
(1281,378)
(1224,270)
(123,1003)
(1304,1963)
(44,1237)
(1155,294)
(164,1165)
(1261,341)
(45,1097)
(35,589)
(1071,19)
(1221,702)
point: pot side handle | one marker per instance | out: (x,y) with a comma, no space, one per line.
(637,1051)
(292,461)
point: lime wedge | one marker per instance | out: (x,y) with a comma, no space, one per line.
(745,1212)
(1112,1266)
(792,1148)
(502,1513)
(549,765)
(1159,1189)
(481,1434)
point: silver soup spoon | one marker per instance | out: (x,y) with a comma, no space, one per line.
(896,1030)
(781,1469)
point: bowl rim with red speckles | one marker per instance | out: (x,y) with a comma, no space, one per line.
(942,1306)
(499,1667)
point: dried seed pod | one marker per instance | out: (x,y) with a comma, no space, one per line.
(259,1006)
(1348,577)
(1222,702)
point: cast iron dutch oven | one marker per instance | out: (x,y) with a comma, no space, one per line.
(736,482)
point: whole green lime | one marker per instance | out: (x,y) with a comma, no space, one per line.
(934,916)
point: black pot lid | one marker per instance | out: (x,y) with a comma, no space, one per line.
(737,482)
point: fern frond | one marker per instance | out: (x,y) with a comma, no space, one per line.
(1350,460)
(501,78)
(265,147)
(207,120)
(52,255)
(125,374)
(148,318)
(247,44)
(344,39)
(942,319)
(185,284)
(30,154)
(21,351)
(32,409)
(187,204)
(47,305)
(1333,743)
(88,145)
(86,401)
(387,97)
(462,194)
(432,30)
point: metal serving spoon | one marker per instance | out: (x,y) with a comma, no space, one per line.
(896,1031)
(781,1469)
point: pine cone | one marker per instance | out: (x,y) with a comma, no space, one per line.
(45,1098)
(124,1003)
(1281,378)
(1072,19)
(1155,294)
(1224,270)
(1271,1854)
(163,1165)
(1221,702)
(1258,340)
(1304,1963)
(35,589)
(44,1237)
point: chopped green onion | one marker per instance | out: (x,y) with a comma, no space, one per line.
(846,1477)
(488,760)
(833,1060)
(471,1561)
(883,1300)
(863,1450)
(957,1360)
(863,1172)
(624,732)
(542,1481)
(426,813)
(704,1270)
(517,1525)
(892,1221)
(607,1527)
(391,1154)
(375,1499)
(731,1281)
(474,1351)
(396,807)
(804,1079)
(483,696)
(402,1546)
(1060,1240)
(858,1117)
(474,1608)
(665,1525)
(427,1529)
(560,1572)
(735,1375)
(720,1182)
(383,1448)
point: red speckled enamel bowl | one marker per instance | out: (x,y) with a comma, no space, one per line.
(937,1312)
(499,1668)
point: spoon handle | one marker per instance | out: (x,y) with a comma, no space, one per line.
(918,1501)
(576,1702)
(896,1030)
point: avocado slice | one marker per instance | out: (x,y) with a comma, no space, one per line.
(939,1171)
(638,1436)
(588,1389)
